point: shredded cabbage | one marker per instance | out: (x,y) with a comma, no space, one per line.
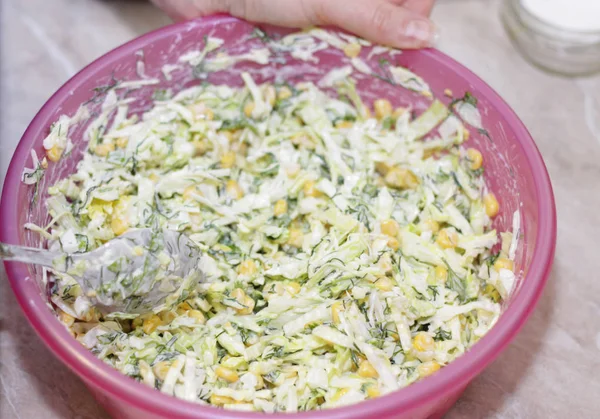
(345,256)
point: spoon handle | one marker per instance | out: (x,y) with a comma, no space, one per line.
(31,255)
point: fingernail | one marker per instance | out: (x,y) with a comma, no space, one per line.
(422,30)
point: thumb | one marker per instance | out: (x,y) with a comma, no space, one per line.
(379,21)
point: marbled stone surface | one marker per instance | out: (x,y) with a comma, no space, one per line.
(549,371)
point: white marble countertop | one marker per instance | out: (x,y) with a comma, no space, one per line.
(549,371)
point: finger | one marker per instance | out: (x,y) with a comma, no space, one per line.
(379,21)
(189,9)
(289,13)
(422,7)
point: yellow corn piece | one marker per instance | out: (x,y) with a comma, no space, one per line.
(367,370)
(441,274)
(151,323)
(503,263)
(491,205)
(383,108)
(384,284)
(54,153)
(427,368)
(352,50)
(284,93)
(227,374)
(103,149)
(447,239)
(400,178)
(335,311)
(281,207)
(228,160)
(475,158)
(233,189)
(310,189)
(390,228)
(248,267)
(423,342)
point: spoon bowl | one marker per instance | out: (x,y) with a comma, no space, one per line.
(142,270)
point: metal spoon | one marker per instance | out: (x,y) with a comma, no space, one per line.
(139,271)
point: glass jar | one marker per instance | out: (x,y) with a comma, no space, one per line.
(560,50)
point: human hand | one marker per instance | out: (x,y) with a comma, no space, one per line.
(396,23)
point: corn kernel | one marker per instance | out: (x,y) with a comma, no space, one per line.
(466,133)
(249,304)
(432,225)
(167,316)
(293,288)
(504,263)
(335,311)
(382,168)
(373,391)
(423,342)
(339,394)
(189,192)
(270,95)
(366,370)
(344,124)
(447,239)
(284,93)
(228,160)
(400,178)
(448,92)
(352,50)
(441,274)
(122,142)
(249,108)
(260,383)
(280,208)
(201,111)
(150,324)
(302,140)
(220,400)
(491,205)
(118,225)
(248,267)
(427,368)
(227,374)
(393,243)
(183,307)
(201,147)
(390,228)
(103,149)
(398,112)
(154,177)
(233,189)
(384,284)
(310,189)
(383,108)
(65,318)
(296,237)
(475,158)
(239,295)
(161,369)
(54,153)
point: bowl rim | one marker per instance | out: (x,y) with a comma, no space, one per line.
(111,382)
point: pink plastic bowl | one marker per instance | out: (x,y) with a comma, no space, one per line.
(513,165)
